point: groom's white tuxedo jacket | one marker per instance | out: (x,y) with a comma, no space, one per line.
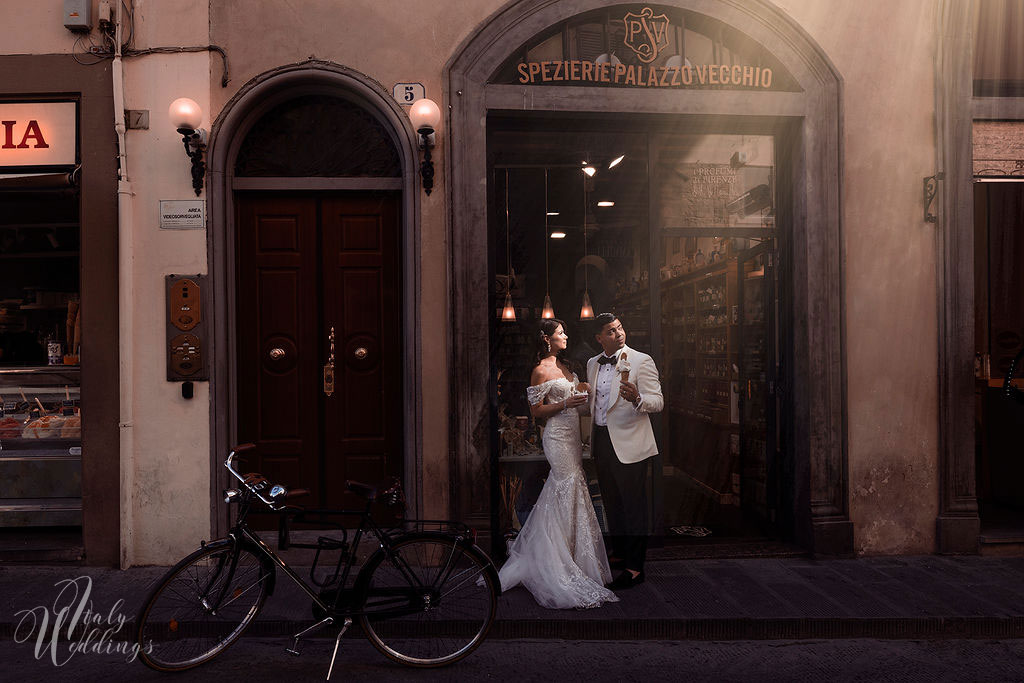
(629,427)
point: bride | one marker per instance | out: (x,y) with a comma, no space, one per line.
(559,555)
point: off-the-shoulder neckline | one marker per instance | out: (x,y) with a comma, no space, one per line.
(564,379)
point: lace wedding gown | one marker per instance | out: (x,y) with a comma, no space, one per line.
(559,555)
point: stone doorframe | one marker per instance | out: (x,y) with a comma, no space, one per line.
(257,97)
(958,525)
(817,380)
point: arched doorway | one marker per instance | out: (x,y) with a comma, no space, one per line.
(313,203)
(531,60)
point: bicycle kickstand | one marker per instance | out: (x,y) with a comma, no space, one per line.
(294,649)
(337,641)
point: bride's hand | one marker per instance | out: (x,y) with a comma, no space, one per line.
(575,400)
(583,387)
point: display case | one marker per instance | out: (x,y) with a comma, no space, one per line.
(40,446)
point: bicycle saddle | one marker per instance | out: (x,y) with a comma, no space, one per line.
(365,490)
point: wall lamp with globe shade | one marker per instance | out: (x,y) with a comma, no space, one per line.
(426,117)
(186,116)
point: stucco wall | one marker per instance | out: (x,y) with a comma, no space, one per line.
(169,498)
(884,52)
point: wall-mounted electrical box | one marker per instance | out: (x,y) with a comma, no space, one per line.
(187,344)
(78,15)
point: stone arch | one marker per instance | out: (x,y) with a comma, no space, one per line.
(234,122)
(816,380)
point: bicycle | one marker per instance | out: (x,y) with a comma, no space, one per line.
(427,597)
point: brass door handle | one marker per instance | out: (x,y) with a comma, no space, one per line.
(329,367)
(361,353)
(277,353)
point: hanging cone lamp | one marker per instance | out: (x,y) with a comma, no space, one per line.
(548,311)
(508,313)
(586,310)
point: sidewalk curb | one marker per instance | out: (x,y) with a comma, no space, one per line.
(800,628)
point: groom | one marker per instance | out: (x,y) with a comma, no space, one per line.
(621,443)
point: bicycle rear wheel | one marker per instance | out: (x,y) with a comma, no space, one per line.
(201,606)
(430,602)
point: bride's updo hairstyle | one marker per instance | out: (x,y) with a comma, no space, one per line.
(546,329)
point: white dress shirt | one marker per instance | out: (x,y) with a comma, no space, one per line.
(603,390)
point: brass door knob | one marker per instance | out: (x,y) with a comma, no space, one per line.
(277,353)
(361,353)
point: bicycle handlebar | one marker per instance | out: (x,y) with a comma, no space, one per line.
(255,485)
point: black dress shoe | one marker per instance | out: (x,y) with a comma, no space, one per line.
(626,580)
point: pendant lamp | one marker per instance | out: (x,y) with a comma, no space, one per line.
(508,313)
(548,311)
(586,310)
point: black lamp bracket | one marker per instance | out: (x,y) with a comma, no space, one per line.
(195,146)
(427,166)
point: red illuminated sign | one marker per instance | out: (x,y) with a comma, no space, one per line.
(38,134)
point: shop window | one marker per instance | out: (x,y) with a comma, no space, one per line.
(998,48)
(678,239)
(40,341)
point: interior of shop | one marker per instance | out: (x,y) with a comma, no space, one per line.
(999,312)
(40,340)
(673,228)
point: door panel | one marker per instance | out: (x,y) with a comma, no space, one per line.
(307,264)
(277,336)
(362,426)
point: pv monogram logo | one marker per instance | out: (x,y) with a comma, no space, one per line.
(646,34)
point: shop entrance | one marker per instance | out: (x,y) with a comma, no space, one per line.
(677,230)
(999,336)
(318,280)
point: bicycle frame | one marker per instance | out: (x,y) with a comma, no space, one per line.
(240,533)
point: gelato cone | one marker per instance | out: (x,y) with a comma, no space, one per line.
(622,367)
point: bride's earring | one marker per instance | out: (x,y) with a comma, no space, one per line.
(548,343)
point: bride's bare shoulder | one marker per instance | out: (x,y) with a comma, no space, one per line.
(543,374)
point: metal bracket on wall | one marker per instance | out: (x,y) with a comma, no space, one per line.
(931,186)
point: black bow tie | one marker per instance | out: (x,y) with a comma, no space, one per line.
(605,360)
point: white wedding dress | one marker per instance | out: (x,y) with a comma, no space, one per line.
(559,555)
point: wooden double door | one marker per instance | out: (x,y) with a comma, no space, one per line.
(318,280)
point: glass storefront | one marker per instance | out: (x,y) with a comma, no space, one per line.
(41,336)
(674,230)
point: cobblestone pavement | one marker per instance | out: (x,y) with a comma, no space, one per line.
(263,659)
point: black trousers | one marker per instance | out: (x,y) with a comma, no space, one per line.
(624,492)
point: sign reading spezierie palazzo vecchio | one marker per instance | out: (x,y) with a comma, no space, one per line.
(646,34)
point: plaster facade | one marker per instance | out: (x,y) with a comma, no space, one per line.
(885,54)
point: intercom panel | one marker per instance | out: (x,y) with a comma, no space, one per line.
(186,340)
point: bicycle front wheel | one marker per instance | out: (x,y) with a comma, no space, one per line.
(429,602)
(201,606)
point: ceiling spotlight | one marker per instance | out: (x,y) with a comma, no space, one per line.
(616,161)
(552,213)
(606,203)
(558,235)
(589,170)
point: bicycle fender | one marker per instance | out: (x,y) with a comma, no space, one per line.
(363,578)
